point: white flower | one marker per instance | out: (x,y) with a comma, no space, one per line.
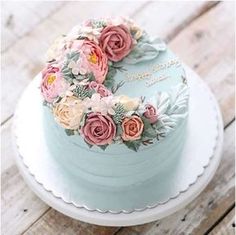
(116,21)
(93,102)
(103,105)
(141,108)
(69,91)
(107,104)
(80,66)
(85,31)
(84,82)
(75,66)
(83,62)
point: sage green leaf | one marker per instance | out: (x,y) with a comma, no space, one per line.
(119,113)
(150,133)
(103,147)
(69,132)
(134,145)
(82,92)
(146,122)
(89,145)
(119,130)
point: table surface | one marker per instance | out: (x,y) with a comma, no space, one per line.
(200,33)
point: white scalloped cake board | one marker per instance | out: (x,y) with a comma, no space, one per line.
(137,217)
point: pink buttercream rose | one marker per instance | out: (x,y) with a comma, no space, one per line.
(92,59)
(116,42)
(100,89)
(52,84)
(150,113)
(99,129)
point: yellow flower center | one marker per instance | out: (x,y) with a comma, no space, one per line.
(51,79)
(93,58)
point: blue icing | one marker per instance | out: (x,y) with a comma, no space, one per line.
(105,168)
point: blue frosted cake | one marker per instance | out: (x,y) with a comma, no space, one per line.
(116,103)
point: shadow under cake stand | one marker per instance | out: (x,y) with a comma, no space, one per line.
(201,157)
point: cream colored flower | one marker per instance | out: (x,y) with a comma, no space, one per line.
(85,31)
(56,48)
(137,32)
(130,104)
(69,112)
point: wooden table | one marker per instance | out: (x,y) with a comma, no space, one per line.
(200,33)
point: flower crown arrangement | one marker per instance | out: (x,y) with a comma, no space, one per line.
(78,85)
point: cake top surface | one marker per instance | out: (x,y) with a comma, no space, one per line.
(147,78)
(109,82)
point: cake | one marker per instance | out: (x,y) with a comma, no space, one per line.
(115,105)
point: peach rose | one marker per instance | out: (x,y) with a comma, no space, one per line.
(69,112)
(132,128)
(116,42)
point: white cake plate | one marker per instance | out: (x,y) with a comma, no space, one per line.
(174,202)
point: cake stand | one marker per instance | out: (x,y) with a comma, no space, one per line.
(196,181)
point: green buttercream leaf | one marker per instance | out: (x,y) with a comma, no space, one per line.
(45,103)
(118,67)
(83,120)
(81,37)
(117,86)
(110,81)
(68,78)
(149,129)
(74,55)
(134,145)
(67,72)
(150,133)
(89,145)
(69,132)
(103,147)
(147,141)
(82,93)
(98,23)
(119,113)
(90,77)
(119,130)
(146,122)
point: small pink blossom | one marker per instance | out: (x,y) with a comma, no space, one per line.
(52,84)
(150,113)
(100,89)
